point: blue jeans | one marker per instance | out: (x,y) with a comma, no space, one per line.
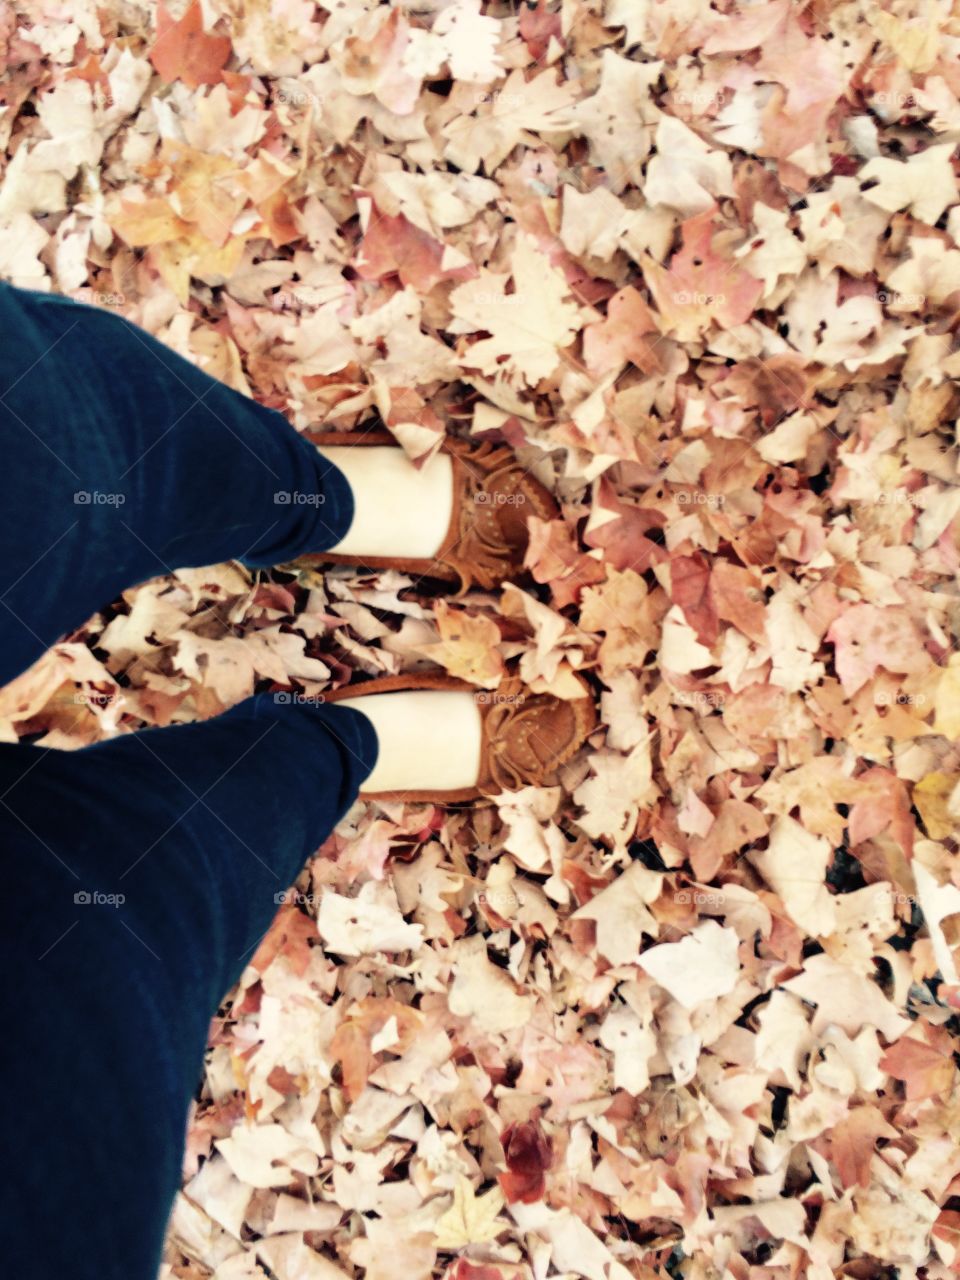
(122,461)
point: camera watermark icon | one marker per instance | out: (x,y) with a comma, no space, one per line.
(700,697)
(294,898)
(697,897)
(888,98)
(902,899)
(294,498)
(290,296)
(899,699)
(899,497)
(98,297)
(94,698)
(497,499)
(94,898)
(500,699)
(298,97)
(290,697)
(698,97)
(689,298)
(500,97)
(96,498)
(700,499)
(887,297)
(499,898)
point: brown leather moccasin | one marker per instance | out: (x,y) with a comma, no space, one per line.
(527,737)
(487,538)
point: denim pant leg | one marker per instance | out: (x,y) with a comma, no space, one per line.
(139,873)
(122,461)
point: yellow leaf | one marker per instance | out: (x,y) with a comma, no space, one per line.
(146,222)
(192,255)
(930,796)
(468,646)
(471,1219)
(947,700)
(207,189)
(917,45)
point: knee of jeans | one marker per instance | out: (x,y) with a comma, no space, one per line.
(345,730)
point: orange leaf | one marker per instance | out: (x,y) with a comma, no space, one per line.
(289,936)
(553,557)
(393,244)
(183,50)
(623,540)
(690,589)
(925,1071)
(620,336)
(145,222)
(701,287)
(730,586)
(468,646)
(350,1047)
(852,1144)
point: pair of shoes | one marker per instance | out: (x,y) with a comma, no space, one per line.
(525,738)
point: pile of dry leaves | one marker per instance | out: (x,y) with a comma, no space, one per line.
(694,1010)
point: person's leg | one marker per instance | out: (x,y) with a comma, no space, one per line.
(140,874)
(123,461)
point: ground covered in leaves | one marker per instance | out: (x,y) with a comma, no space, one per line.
(693,1010)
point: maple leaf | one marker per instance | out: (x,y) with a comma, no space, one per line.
(528,328)
(853,1141)
(148,221)
(690,580)
(866,637)
(618,117)
(937,901)
(930,798)
(394,244)
(538,26)
(882,802)
(845,998)
(468,647)
(470,39)
(624,539)
(350,1047)
(621,336)
(183,50)
(926,1071)
(735,593)
(702,966)
(471,1219)
(629,614)
(816,788)
(553,557)
(926,182)
(808,75)
(375,65)
(700,288)
(795,865)
(352,1044)
(289,936)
